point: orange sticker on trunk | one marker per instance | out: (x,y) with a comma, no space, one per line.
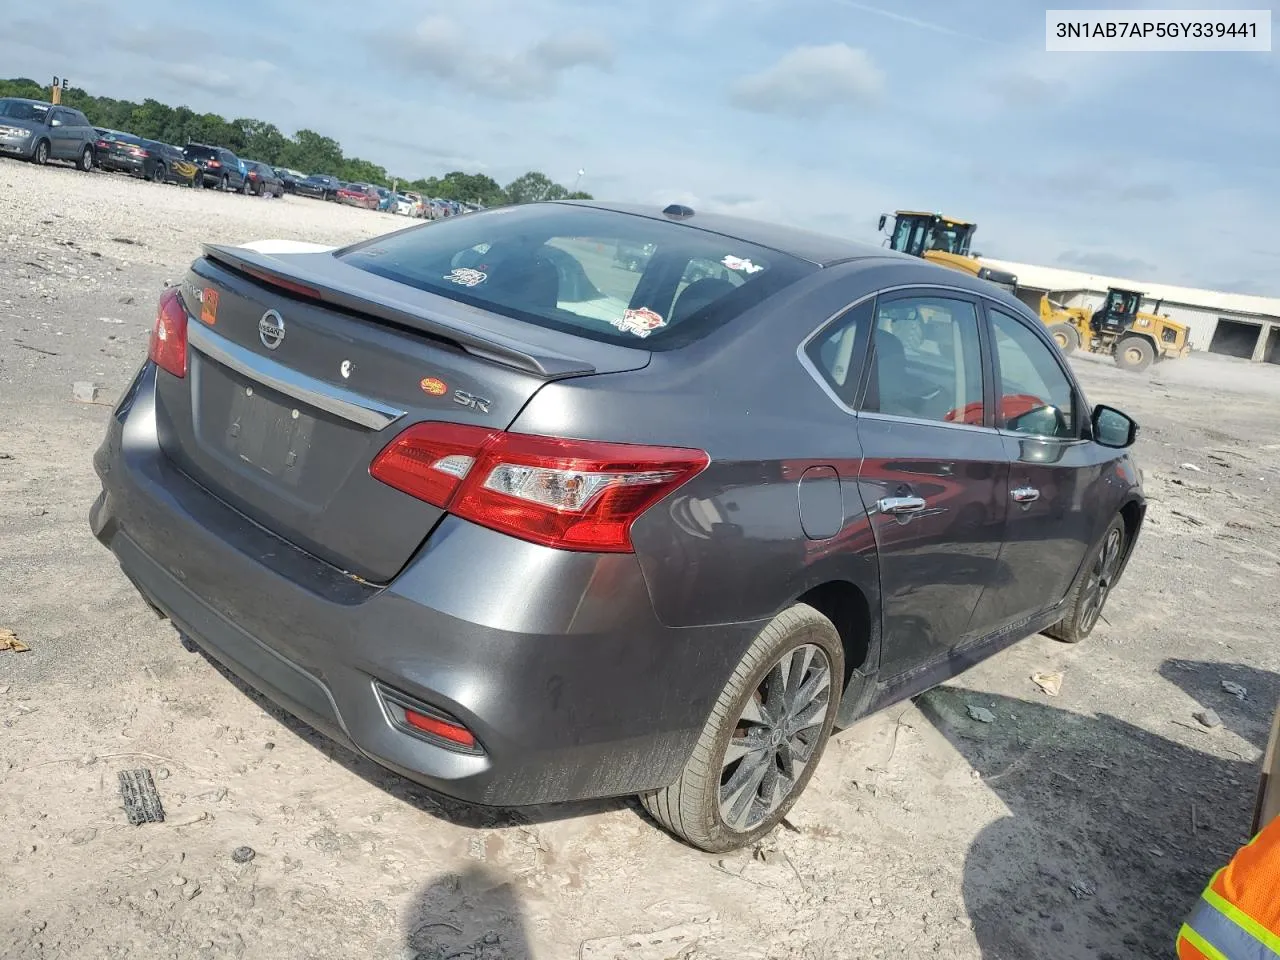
(431,385)
(209,306)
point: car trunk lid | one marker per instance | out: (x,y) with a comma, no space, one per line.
(301,369)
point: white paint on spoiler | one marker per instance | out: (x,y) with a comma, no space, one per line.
(284,246)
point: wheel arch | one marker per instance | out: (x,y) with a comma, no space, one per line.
(849,609)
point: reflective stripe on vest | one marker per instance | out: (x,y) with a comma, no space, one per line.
(1221,932)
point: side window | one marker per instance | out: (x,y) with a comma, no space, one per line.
(1035,395)
(79,119)
(836,352)
(927,360)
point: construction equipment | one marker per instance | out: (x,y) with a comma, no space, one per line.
(1118,328)
(944,241)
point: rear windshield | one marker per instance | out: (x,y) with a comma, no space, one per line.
(201,153)
(596,273)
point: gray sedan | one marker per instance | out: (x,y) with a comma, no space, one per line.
(526,522)
(39,131)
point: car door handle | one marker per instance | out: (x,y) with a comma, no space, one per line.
(1024,494)
(901,506)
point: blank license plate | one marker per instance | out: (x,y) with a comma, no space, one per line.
(272,436)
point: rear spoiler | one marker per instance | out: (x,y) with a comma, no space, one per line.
(471,337)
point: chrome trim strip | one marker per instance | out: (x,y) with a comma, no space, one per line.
(341,403)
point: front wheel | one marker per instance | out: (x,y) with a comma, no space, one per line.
(158,174)
(1065,336)
(763,739)
(1134,353)
(85,163)
(224,184)
(40,154)
(1090,593)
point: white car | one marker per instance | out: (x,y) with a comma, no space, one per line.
(410,205)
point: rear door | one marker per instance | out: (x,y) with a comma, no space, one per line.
(1060,491)
(934,477)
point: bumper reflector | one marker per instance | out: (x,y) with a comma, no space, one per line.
(427,723)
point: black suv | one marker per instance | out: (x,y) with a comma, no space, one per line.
(219,167)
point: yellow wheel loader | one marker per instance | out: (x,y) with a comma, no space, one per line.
(1119,329)
(945,241)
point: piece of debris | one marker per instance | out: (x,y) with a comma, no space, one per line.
(243,854)
(162,773)
(1191,466)
(127,240)
(190,890)
(1208,717)
(1235,689)
(1050,683)
(84,391)
(125,299)
(1081,890)
(110,320)
(982,714)
(9,641)
(1190,518)
(141,800)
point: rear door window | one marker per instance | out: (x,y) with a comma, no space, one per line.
(926,360)
(596,273)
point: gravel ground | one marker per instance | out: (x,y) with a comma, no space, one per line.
(1075,826)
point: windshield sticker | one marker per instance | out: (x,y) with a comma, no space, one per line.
(741,264)
(641,322)
(466,277)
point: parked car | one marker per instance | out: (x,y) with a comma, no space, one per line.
(410,205)
(593,545)
(359,195)
(38,131)
(289,178)
(263,179)
(149,159)
(320,186)
(219,167)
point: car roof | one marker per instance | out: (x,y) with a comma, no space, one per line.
(804,244)
(43,103)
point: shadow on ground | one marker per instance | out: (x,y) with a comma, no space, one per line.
(472,915)
(1113,831)
(472,816)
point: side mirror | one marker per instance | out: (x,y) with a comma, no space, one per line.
(882,220)
(55,122)
(1112,428)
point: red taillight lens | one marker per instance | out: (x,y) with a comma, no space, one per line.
(168,346)
(214,163)
(571,494)
(139,152)
(453,732)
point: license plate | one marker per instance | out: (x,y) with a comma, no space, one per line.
(271,436)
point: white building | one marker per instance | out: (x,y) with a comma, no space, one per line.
(1234,324)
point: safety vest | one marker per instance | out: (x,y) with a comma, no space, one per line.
(1238,915)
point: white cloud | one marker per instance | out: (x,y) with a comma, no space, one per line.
(807,80)
(440,47)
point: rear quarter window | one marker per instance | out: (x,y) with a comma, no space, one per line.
(595,273)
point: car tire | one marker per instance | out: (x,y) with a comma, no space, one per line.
(197,182)
(1089,594)
(40,154)
(1065,336)
(696,807)
(224,184)
(1134,353)
(84,163)
(158,175)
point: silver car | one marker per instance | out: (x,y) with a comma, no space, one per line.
(40,132)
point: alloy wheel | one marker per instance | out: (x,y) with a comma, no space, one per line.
(42,153)
(776,736)
(1101,578)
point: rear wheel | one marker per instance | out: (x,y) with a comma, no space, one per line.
(1065,336)
(1134,353)
(763,739)
(85,162)
(225,183)
(1090,593)
(40,154)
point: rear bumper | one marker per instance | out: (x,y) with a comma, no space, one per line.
(554,660)
(122,164)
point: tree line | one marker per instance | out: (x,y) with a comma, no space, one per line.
(306,150)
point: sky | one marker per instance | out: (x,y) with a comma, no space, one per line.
(819,113)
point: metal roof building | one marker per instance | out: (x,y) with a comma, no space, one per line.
(1234,324)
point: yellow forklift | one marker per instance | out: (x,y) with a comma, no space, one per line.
(1118,329)
(944,241)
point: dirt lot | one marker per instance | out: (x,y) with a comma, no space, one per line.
(1075,826)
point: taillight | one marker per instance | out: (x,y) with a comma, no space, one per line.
(571,494)
(168,346)
(214,163)
(139,152)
